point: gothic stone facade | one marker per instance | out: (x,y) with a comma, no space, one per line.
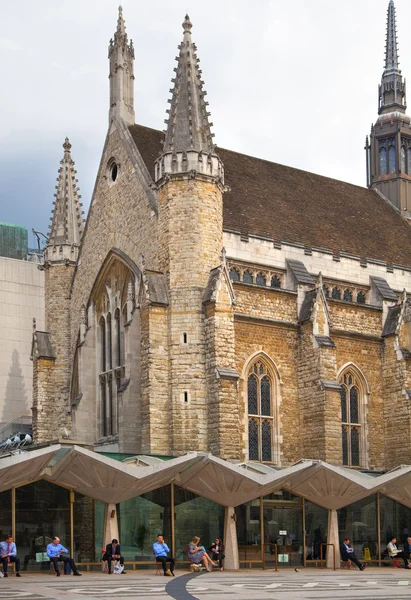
(221,303)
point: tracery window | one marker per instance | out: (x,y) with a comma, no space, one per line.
(261,413)
(403,160)
(248,277)
(234,274)
(360,298)
(260,279)
(112,299)
(336,293)
(387,152)
(347,295)
(326,291)
(275,282)
(352,418)
(383,161)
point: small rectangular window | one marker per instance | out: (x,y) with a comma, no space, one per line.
(184,338)
(185,397)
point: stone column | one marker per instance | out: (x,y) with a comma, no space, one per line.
(110,524)
(333,538)
(231,561)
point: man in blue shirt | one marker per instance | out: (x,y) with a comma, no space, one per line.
(347,553)
(54,551)
(8,553)
(160,550)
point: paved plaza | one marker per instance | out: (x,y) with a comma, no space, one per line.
(244,585)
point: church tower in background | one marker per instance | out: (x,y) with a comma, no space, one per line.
(388,150)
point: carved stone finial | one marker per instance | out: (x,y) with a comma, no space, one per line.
(130,291)
(224,256)
(67,145)
(187,24)
(320,280)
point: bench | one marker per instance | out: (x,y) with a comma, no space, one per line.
(134,564)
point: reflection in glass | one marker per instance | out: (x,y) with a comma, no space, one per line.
(141,519)
(316,528)
(358,522)
(195,515)
(42,511)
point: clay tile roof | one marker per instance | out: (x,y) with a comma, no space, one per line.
(291,205)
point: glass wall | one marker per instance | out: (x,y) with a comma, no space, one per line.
(316,529)
(99,511)
(42,511)
(395,521)
(194,515)
(249,533)
(283,525)
(141,519)
(358,523)
(5,514)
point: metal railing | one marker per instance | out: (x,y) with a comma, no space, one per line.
(321,553)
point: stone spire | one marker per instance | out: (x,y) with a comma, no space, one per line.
(188,144)
(67,225)
(121,57)
(392,88)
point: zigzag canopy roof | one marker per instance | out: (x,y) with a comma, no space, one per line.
(110,481)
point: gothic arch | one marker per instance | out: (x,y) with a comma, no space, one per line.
(354,415)
(261,384)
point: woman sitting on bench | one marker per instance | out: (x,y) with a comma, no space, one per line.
(196,554)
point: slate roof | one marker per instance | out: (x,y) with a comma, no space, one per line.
(288,204)
(384,289)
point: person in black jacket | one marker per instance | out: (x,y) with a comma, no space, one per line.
(347,553)
(407,547)
(113,552)
(217,551)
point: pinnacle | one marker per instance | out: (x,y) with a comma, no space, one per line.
(188,126)
(66,221)
(391,47)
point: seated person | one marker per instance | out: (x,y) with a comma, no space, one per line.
(197,555)
(347,553)
(8,553)
(54,551)
(393,552)
(407,547)
(113,552)
(160,550)
(216,550)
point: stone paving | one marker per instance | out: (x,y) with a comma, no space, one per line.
(310,584)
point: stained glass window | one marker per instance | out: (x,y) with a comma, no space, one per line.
(110,342)
(383,161)
(266,441)
(265,397)
(252,395)
(260,279)
(275,281)
(253,445)
(234,274)
(351,417)
(261,413)
(360,298)
(348,295)
(391,160)
(336,293)
(103,343)
(326,291)
(247,277)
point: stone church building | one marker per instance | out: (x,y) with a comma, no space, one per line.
(224,305)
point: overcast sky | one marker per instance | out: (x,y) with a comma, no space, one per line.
(292,82)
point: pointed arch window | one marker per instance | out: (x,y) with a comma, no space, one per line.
(260,279)
(391,159)
(352,418)
(234,274)
(336,293)
(383,161)
(275,281)
(248,277)
(403,160)
(261,413)
(409,160)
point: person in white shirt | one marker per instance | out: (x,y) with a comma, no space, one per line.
(395,553)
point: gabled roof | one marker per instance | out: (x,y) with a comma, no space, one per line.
(291,205)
